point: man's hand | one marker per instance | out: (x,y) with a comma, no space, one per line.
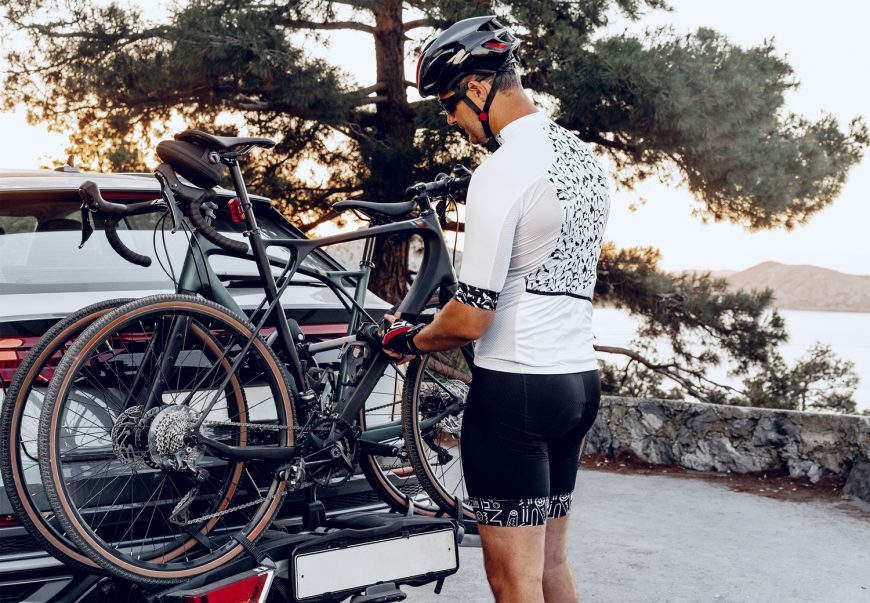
(400,358)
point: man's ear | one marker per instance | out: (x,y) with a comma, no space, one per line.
(478,90)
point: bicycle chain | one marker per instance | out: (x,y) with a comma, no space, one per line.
(261,499)
(255,426)
(247,504)
(231,509)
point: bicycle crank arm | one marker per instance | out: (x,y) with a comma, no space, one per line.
(368,447)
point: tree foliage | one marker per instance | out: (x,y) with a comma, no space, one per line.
(818,381)
(656,104)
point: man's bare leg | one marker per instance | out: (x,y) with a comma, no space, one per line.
(514,562)
(559,586)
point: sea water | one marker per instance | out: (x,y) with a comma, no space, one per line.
(848,334)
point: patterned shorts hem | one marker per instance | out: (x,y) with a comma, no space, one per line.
(521,512)
(560,505)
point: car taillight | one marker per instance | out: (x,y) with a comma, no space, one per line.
(252,589)
(9,521)
(12,352)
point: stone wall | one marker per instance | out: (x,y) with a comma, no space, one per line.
(709,437)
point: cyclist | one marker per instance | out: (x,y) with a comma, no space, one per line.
(535,216)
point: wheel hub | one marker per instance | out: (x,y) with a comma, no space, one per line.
(167,439)
(125,440)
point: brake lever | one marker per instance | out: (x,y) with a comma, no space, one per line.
(169,198)
(208,208)
(87,228)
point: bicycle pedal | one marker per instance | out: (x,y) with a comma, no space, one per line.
(380,593)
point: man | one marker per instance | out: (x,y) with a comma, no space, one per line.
(535,217)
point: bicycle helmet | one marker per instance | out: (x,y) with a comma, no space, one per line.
(479,45)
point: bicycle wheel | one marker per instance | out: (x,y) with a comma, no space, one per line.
(128,484)
(391,476)
(433,400)
(19,426)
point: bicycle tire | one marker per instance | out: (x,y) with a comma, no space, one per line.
(105,357)
(435,383)
(393,478)
(18,438)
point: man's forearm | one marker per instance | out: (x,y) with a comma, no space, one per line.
(454,326)
(431,339)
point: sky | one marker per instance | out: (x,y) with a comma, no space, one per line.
(827,46)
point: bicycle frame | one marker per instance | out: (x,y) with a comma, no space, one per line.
(197,277)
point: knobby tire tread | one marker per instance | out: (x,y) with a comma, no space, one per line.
(22,382)
(414,443)
(46,434)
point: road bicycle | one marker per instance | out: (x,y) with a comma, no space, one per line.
(121,468)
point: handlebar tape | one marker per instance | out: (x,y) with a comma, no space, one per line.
(204,228)
(111,230)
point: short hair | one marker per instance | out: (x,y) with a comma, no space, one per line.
(509,82)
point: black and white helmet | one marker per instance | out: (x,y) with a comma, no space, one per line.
(480,45)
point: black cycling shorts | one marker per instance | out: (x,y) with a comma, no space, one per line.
(520,440)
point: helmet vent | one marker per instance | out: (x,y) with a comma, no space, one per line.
(458,57)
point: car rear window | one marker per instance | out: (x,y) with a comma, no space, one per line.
(39,252)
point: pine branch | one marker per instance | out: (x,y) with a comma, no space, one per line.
(303,24)
(378,87)
(416,23)
(671,370)
(598,139)
(370,100)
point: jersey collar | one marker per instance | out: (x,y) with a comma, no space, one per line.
(519,124)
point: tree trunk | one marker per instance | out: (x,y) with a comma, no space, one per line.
(392,158)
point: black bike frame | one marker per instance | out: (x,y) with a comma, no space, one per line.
(197,277)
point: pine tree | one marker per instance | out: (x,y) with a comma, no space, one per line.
(695,103)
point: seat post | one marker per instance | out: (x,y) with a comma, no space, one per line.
(261,257)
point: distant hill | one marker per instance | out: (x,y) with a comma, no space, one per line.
(805,287)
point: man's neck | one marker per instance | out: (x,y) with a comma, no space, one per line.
(506,109)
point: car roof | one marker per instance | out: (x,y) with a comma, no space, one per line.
(59,181)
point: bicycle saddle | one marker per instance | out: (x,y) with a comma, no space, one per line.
(392,210)
(222,143)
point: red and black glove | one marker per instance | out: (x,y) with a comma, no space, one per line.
(399,337)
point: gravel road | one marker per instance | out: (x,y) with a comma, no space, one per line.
(658,538)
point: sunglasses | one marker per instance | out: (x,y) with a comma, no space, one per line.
(449,103)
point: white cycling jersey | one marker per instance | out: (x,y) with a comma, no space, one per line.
(535,216)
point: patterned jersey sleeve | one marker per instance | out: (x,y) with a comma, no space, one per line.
(491,215)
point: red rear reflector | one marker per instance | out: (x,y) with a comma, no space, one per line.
(236,212)
(249,590)
(9,521)
(498,45)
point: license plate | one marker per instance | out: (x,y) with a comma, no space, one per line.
(364,564)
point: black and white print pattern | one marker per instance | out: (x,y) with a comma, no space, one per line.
(476,297)
(510,513)
(520,512)
(582,189)
(560,505)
